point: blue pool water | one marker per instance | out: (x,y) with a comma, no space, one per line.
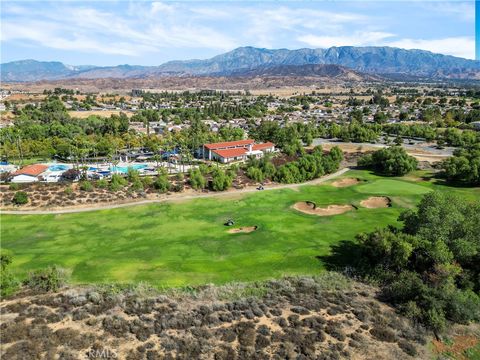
(124,169)
(58,167)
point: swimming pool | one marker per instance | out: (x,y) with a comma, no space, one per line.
(124,169)
(58,167)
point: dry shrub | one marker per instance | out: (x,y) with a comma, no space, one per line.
(383,334)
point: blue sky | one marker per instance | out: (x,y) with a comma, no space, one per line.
(150,33)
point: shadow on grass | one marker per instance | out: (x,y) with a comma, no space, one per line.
(345,254)
(441,181)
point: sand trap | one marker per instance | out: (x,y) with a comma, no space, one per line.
(345,182)
(308,207)
(246,229)
(376,202)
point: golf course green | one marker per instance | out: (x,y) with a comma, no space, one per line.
(186,242)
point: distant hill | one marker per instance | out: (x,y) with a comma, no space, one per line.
(377,60)
(372,60)
(32,70)
(308,70)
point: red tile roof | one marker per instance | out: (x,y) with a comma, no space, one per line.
(229,153)
(228,144)
(262,146)
(32,170)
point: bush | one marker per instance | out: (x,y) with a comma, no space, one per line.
(86,185)
(407,347)
(117,182)
(162,184)
(255,174)
(147,181)
(197,180)
(68,190)
(14,186)
(137,185)
(8,283)
(203,169)
(178,187)
(71,175)
(132,174)
(49,279)
(392,161)
(383,334)
(20,198)
(102,184)
(220,181)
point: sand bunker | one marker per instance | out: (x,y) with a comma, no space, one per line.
(246,229)
(345,182)
(376,202)
(308,207)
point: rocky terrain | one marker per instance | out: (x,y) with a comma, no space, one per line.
(324,317)
(310,70)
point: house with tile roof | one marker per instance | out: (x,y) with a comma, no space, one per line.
(239,150)
(29,173)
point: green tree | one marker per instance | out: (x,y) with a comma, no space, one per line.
(392,161)
(220,180)
(463,166)
(429,268)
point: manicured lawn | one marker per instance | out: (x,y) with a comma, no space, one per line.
(186,243)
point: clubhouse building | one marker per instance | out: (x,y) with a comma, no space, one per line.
(229,151)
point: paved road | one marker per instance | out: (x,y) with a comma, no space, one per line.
(173,198)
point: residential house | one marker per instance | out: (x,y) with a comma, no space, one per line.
(226,152)
(29,173)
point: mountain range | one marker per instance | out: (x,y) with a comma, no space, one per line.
(251,61)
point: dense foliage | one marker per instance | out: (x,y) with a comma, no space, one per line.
(220,180)
(8,283)
(463,166)
(392,161)
(306,167)
(431,267)
(196,179)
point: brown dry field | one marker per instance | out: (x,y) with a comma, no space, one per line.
(103,113)
(25,97)
(328,317)
(280,86)
(419,154)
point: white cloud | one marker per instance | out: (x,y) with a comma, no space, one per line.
(457,46)
(362,38)
(141,28)
(147,30)
(264,24)
(159,7)
(460,9)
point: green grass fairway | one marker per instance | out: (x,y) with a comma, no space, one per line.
(186,243)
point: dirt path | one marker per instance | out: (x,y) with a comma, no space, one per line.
(179,197)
